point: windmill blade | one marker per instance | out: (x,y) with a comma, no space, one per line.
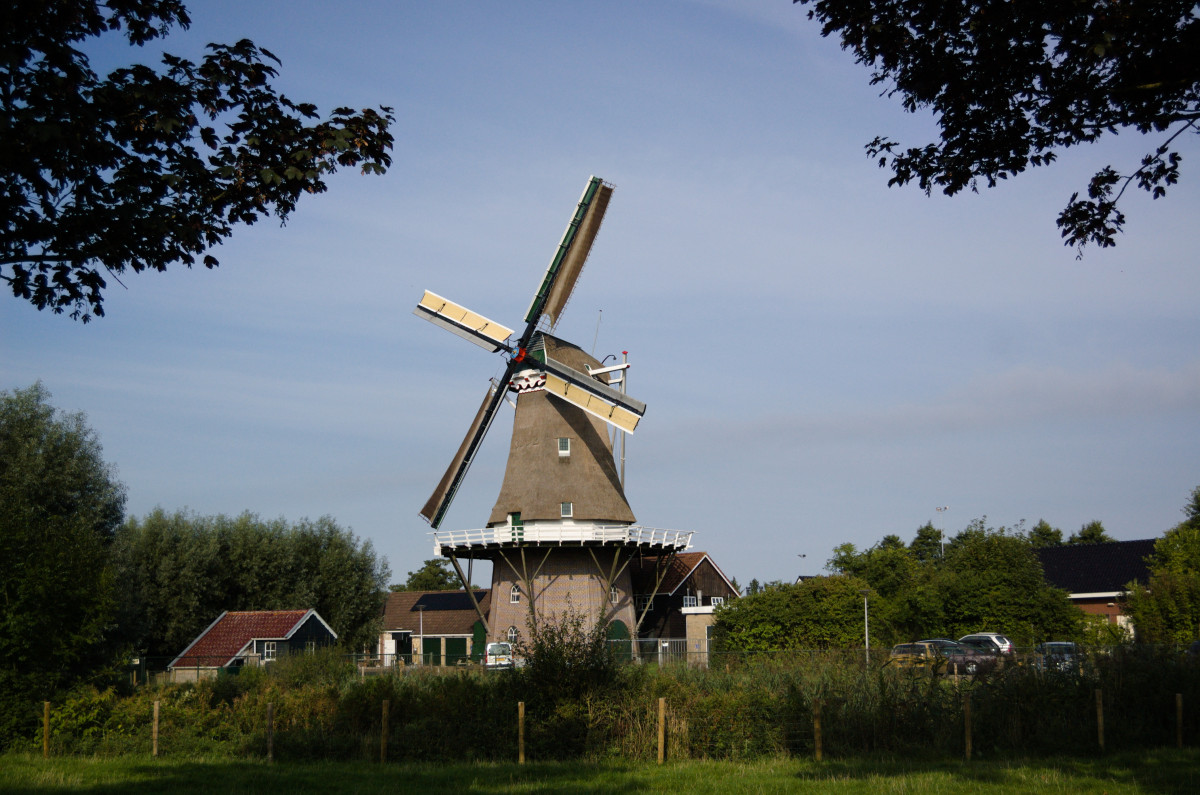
(462,321)
(568,260)
(438,502)
(594,397)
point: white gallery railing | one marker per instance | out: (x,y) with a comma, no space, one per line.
(563,534)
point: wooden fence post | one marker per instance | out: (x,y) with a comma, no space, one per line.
(1179,720)
(817,749)
(1100,717)
(967,724)
(662,730)
(383,732)
(520,732)
(45,730)
(270,732)
(154,732)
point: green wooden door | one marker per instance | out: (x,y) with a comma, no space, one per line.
(618,637)
(456,650)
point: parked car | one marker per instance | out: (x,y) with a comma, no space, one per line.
(938,656)
(961,658)
(1061,656)
(498,656)
(913,655)
(991,642)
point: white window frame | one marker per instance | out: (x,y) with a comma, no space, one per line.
(644,602)
(514,595)
(310,647)
(269,650)
(614,595)
(567,509)
(690,601)
(564,447)
(716,601)
(512,634)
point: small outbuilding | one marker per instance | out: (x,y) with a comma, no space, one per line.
(433,627)
(250,637)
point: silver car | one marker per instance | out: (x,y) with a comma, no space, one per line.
(988,641)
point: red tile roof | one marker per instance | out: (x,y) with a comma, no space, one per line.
(230,633)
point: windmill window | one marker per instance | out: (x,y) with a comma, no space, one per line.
(564,447)
(718,600)
(645,602)
(514,596)
(511,634)
(568,510)
(613,595)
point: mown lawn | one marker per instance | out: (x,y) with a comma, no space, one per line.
(1165,771)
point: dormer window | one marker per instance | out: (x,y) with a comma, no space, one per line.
(568,510)
(564,447)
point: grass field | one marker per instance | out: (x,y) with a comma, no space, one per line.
(1165,771)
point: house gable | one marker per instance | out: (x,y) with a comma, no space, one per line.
(236,634)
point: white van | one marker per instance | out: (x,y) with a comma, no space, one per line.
(498,655)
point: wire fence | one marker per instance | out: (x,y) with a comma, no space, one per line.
(722,706)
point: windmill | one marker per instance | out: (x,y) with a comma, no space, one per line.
(561,534)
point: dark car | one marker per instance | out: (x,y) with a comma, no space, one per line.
(1057,656)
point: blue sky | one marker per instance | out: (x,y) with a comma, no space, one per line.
(825,359)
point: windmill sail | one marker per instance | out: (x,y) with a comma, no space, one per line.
(572,264)
(462,321)
(594,397)
(438,502)
(568,260)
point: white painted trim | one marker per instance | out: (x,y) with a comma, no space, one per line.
(1097,595)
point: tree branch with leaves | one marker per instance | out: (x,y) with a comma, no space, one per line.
(1012,84)
(147,167)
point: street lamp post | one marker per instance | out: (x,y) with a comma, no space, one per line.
(421,631)
(866,628)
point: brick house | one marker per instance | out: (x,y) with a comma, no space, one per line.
(1095,575)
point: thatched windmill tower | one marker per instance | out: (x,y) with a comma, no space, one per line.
(561,534)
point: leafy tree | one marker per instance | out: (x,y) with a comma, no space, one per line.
(145,168)
(821,612)
(434,575)
(1013,84)
(993,581)
(1091,533)
(989,578)
(1043,535)
(59,506)
(1192,509)
(1167,608)
(927,544)
(180,571)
